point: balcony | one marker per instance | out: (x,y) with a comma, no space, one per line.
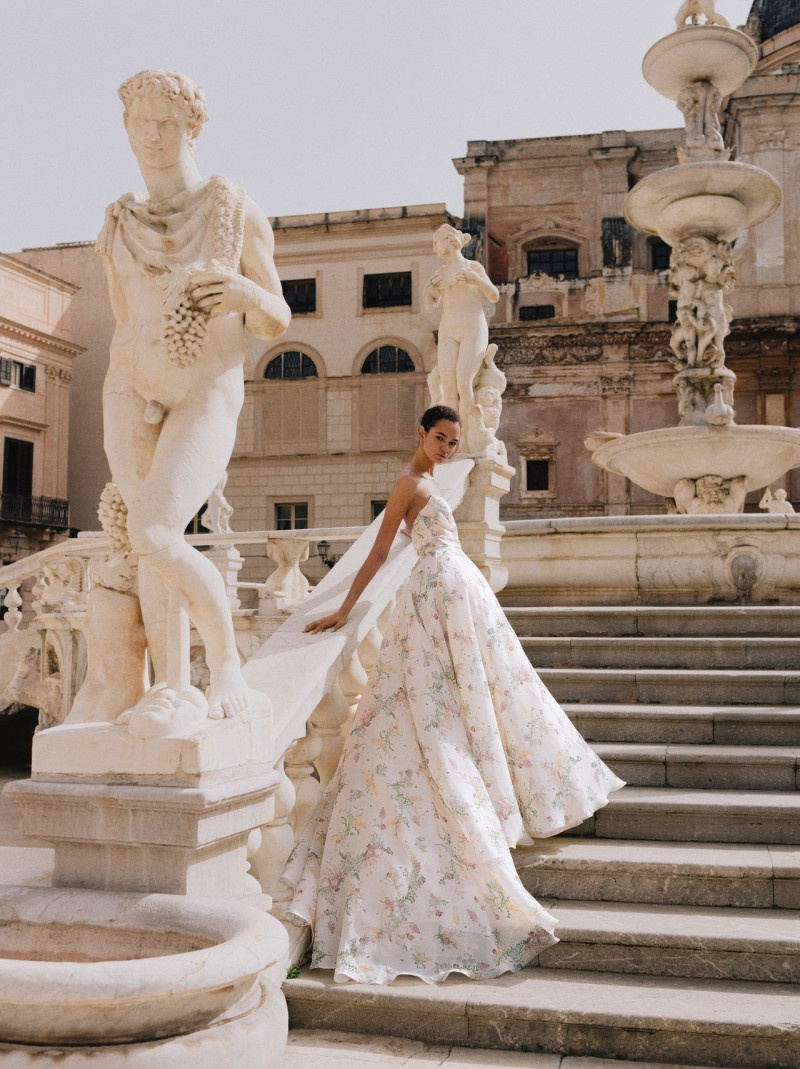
(36,511)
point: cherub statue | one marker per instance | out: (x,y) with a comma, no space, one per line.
(692,10)
(461,286)
(700,104)
(484,419)
(776,503)
(190,269)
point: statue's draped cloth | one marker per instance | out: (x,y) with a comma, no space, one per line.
(199,229)
(165,245)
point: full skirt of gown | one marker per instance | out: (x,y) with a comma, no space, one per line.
(457,753)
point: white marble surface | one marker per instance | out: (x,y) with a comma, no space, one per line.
(98,967)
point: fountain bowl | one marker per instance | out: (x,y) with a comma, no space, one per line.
(657,460)
(717,54)
(86,968)
(717,198)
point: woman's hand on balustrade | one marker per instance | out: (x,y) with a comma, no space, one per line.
(327,623)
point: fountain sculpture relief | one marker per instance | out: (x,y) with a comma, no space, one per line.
(700,207)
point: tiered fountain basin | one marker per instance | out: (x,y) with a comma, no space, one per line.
(657,460)
(717,54)
(717,198)
(91,978)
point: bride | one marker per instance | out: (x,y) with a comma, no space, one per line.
(457,753)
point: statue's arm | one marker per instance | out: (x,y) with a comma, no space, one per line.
(103,248)
(270,315)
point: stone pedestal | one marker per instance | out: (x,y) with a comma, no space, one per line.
(478,518)
(180,827)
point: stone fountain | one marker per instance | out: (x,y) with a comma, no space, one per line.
(707,463)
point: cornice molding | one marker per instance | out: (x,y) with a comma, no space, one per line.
(46,341)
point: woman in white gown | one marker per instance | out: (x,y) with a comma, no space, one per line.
(457,753)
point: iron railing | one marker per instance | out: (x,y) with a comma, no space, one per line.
(36,511)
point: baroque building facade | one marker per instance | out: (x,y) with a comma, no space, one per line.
(37,352)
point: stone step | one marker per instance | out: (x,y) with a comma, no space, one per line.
(699,942)
(734,768)
(317,1048)
(677,814)
(676,873)
(659,652)
(673,686)
(756,725)
(705,620)
(603,1015)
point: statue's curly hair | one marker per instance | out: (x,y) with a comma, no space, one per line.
(172,85)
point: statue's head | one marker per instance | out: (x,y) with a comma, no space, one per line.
(448,235)
(164,110)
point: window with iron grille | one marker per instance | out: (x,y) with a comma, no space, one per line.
(291,516)
(536,311)
(660,253)
(387,360)
(301,295)
(387,291)
(291,365)
(557,261)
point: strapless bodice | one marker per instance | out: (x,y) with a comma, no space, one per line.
(434,527)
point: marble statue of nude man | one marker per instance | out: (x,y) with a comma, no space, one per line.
(190,269)
(461,286)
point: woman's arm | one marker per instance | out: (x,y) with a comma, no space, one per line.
(400,499)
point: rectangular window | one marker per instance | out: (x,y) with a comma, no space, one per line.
(672,311)
(536,311)
(16,500)
(18,374)
(553,262)
(376,508)
(660,253)
(292,516)
(537,476)
(387,291)
(301,295)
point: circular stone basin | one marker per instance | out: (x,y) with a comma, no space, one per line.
(657,460)
(720,199)
(717,54)
(95,967)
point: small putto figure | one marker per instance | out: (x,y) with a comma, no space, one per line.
(692,10)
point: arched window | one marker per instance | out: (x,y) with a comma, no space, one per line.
(387,360)
(291,365)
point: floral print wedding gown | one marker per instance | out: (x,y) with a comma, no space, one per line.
(457,752)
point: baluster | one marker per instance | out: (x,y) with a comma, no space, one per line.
(369,649)
(277,839)
(330,718)
(299,764)
(38,593)
(13,603)
(352,680)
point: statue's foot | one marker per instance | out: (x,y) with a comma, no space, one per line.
(228,694)
(164,711)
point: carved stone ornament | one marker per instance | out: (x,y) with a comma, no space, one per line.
(701,275)
(615,384)
(531,353)
(700,104)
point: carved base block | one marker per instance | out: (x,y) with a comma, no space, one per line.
(478,518)
(175,840)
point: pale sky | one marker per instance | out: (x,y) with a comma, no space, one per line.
(316,105)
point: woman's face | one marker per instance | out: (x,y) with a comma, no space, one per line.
(441,441)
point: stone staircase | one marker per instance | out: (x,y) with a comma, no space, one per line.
(679,902)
